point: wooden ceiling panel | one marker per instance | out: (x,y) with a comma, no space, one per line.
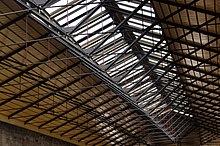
(195,44)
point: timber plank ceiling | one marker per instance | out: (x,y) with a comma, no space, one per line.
(193,36)
(47,87)
(111,72)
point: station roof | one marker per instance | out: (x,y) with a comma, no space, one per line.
(111,72)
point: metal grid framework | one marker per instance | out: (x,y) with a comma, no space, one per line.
(207,137)
(194,34)
(48,83)
(112,72)
(212,142)
(125,40)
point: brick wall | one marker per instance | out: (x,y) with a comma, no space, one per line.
(15,136)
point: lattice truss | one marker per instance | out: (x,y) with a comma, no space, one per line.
(110,72)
